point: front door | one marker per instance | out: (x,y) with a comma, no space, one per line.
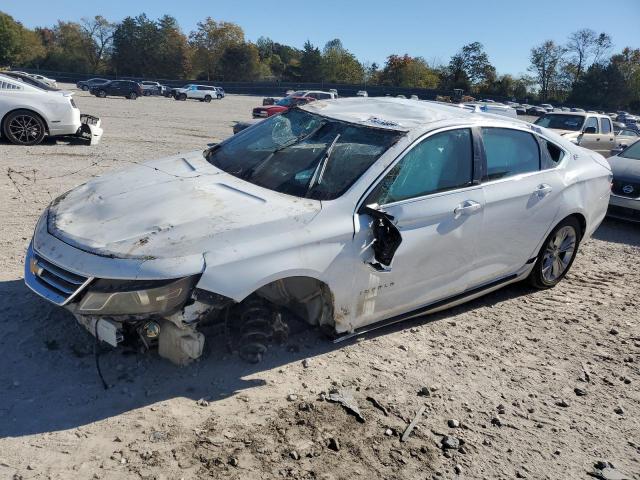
(431,199)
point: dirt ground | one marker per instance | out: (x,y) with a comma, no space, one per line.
(536,384)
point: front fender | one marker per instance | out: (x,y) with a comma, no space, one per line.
(239,279)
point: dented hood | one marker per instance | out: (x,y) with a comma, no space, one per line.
(172,208)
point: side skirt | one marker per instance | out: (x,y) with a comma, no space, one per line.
(436,306)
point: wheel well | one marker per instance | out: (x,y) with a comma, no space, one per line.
(581,221)
(307,297)
(46,126)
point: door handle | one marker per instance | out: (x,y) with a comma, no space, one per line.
(598,139)
(543,190)
(466,208)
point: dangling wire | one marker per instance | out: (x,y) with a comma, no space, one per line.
(96,352)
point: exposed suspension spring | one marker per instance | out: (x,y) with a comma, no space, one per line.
(251,326)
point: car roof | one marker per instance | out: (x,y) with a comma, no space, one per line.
(389,112)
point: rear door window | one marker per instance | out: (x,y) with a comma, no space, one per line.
(509,152)
(605,126)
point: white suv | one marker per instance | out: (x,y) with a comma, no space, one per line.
(204,93)
(347,215)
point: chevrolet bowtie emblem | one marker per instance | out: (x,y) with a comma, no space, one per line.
(34,267)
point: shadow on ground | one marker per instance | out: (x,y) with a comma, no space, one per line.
(50,383)
(619,231)
(48,380)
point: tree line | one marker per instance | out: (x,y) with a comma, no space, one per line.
(583,71)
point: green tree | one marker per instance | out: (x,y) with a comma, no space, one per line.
(585,47)
(546,59)
(339,65)
(209,42)
(18,45)
(310,63)
(173,49)
(240,62)
(410,72)
(99,33)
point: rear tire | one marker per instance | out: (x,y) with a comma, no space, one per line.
(556,254)
(133,96)
(24,127)
(207,98)
(101,94)
(85,88)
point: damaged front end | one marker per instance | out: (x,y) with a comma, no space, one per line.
(90,129)
(162,314)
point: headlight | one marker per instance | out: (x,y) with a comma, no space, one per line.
(124,297)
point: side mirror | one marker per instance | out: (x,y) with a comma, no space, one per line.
(590,130)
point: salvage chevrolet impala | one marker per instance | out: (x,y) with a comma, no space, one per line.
(346,214)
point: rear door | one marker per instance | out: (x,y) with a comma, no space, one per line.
(607,137)
(522,187)
(435,205)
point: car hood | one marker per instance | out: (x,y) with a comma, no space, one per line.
(171,208)
(625,168)
(566,133)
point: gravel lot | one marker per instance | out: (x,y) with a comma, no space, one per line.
(541,384)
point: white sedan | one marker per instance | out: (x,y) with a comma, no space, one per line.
(31,110)
(348,214)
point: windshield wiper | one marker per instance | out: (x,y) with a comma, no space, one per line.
(318,175)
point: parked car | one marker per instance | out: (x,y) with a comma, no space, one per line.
(92,82)
(48,81)
(624,138)
(220,91)
(536,111)
(280,106)
(204,93)
(30,111)
(347,215)
(625,189)
(589,130)
(150,88)
(521,110)
(578,110)
(547,106)
(493,108)
(316,94)
(118,88)
(362,93)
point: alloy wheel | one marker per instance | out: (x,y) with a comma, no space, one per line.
(25,128)
(558,254)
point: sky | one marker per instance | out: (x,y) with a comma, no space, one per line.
(372,30)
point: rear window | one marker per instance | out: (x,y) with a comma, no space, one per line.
(561,122)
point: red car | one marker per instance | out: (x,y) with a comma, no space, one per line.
(280,106)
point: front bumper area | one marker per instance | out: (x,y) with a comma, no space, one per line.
(624,208)
(173,332)
(90,129)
